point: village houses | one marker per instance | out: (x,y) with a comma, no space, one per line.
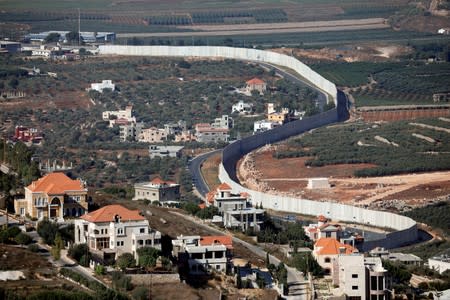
(157,190)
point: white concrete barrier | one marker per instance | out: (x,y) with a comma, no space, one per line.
(228,52)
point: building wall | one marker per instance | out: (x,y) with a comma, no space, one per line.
(439,265)
(169,193)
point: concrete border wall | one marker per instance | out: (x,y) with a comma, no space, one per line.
(228,52)
(406,228)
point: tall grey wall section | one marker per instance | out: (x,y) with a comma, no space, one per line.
(228,52)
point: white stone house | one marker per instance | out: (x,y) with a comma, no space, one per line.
(203,254)
(113,230)
(105,84)
(242,108)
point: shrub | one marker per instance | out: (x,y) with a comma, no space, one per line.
(125,260)
(23,239)
(33,248)
(100,270)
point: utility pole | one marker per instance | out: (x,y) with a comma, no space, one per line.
(79,27)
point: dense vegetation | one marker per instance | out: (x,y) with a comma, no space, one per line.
(436,216)
(356,143)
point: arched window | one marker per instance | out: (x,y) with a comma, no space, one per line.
(56,201)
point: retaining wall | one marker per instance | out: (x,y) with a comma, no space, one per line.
(228,52)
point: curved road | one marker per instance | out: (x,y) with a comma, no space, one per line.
(194,169)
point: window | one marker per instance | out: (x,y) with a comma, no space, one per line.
(327,259)
(373,283)
(218,254)
(380,283)
(354,275)
(142,230)
(208,255)
(119,230)
(217,267)
(354,287)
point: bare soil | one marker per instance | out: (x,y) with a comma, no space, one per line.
(290,176)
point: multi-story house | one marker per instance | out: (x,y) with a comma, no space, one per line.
(242,108)
(199,255)
(205,133)
(322,229)
(53,196)
(119,117)
(129,131)
(153,135)
(360,278)
(113,230)
(327,250)
(157,190)
(235,209)
(255,84)
(223,122)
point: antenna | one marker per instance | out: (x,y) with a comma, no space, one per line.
(79,25)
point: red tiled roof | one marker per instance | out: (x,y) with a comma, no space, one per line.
(158,180)
(245,195)
(330,246)
(56,184)
(109,212)
(255,81)
(202,205)
(225,240)
(224,187)
(210,196)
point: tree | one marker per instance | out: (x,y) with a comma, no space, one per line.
(47,230)
(13,83)
(125,260)
(58,245)
(52,37)
(73,36)
(147,256)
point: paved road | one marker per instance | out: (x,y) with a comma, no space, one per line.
(194,168)
(296,280)
(64,261)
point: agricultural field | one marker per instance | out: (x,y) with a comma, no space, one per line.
(389,83)
(393,166)
(391,148)
(153,16)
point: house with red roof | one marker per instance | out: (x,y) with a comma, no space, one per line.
(157,190)
(327,250)
(113,230)
(256,84)
(323,229)
(53,196)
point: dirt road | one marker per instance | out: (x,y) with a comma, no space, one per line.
(271,28)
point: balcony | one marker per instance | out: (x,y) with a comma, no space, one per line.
(41,204)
